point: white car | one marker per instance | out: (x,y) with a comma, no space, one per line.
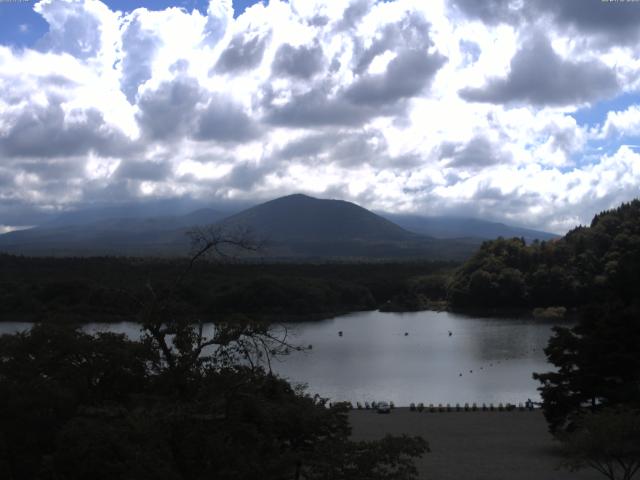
(384,407)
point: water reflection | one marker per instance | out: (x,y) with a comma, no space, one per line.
(483,360)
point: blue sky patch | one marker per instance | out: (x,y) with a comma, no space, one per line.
(597,113)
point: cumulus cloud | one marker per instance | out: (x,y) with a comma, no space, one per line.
(457,106)
(540,77)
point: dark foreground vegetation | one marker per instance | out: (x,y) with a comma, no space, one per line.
(75,406)
(110,288)
(175,405)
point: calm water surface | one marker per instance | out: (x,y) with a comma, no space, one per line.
(484,360)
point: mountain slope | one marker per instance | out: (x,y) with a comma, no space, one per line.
(302,218)
(461,227)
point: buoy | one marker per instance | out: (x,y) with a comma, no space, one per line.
(450,333)
(340,333)
(406,334)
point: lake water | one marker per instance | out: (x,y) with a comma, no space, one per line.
(484,360)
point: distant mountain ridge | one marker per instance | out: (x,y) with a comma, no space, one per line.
(294,226)
(463,227)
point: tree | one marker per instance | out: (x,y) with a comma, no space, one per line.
(607,441)
(598,365)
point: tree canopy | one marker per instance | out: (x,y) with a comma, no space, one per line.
(598,263)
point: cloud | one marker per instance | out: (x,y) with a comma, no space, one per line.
(490,12)
(168,112)
(144,170)
(81,28)
(622,123)
(224,121)
(301,62)
(610,22)
(477,153)
(139,46)
(47,131)
(540,77)
(406,76)
(244,52)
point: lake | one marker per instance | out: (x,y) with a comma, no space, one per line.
(483,360)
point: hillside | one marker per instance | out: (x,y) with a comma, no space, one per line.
(598,263)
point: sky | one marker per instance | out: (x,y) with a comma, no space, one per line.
(522,112)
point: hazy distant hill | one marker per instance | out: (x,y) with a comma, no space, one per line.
(459,227)
(110,236)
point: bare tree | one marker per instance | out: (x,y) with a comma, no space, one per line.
(184,346)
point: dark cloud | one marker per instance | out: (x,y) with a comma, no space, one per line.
(182,109)
(224,121)
(144,170)
(52,168)
(346,148)
(370,95)
(302,62)
(478,153)
(138,47)
(317,108)
(46,131)
(412,32)
(246,175)
(607,22)
(242,54)
(613,22)
(540,77)
(168,112)
(406,76)
(308,146)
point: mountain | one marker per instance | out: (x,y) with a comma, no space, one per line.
(461,227)
(300,226)
(295,226)
(302,218)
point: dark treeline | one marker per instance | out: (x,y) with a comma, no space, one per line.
(594,264)
(110,288)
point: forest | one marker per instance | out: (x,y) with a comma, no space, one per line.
(111,288)
(590,264)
